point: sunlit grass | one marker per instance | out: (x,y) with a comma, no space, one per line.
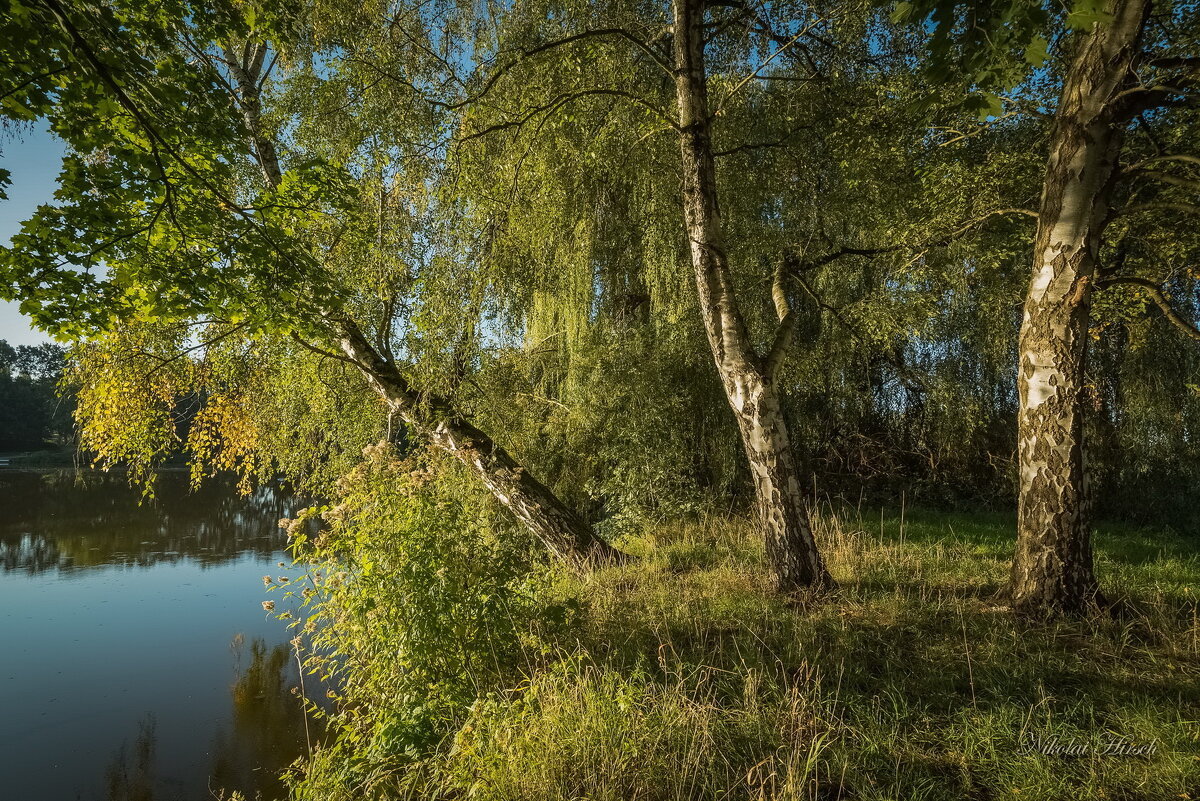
(688,679)
(682,676)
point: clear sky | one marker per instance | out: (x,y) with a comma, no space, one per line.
(33,156)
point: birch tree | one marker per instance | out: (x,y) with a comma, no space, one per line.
(1111,76)
(161,222)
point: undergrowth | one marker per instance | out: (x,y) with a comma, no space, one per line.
(682,676)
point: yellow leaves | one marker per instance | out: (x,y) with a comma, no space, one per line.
(145,390)
(125,399)
(224,436)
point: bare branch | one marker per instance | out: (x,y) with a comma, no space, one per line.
(782,48)
(1177,62)
(492,80)
(33,80)
(322,352)
(1185,208)
(1164,157)
(761,145)
(1174,180)
(562,100)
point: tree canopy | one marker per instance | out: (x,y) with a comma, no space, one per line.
(489,196)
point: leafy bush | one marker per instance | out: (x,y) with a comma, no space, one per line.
(416,607)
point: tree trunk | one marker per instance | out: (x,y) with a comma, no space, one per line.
(792,554)
(563,532)
(1052,569)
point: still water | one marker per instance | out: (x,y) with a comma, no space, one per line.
(136,661)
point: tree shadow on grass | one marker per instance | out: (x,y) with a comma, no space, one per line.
(926,683)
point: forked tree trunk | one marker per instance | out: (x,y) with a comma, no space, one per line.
(1052,570)
(792,554)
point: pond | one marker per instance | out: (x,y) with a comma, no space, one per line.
(136,660)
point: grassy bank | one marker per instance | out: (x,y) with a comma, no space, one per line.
(683,677)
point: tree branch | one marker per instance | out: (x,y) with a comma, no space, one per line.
(491,81)
(1187,159)
(783,47)
(1175,63)
(761,145)
(1167,178)
(1156,294)
(33,80)
(787,319)
(1186,208)
(560,101)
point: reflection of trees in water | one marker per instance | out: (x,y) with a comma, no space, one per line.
(33,553)
(266,734)
(267,731)
(48,524)
(130,776)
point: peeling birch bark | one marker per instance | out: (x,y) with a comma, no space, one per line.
(792,555)
(563,532)
(1052,569)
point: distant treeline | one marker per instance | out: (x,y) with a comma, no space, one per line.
(32,415)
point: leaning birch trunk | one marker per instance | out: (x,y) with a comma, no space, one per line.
(564,533)
(792,554)
(1052,569)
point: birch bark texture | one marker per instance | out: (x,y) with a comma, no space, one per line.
(1052,570)
(563,532)
(792,555)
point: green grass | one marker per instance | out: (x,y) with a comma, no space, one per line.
(683,677)
(686,678)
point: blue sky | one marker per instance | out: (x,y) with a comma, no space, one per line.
(33,157)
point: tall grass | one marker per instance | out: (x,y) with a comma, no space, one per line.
(682,676)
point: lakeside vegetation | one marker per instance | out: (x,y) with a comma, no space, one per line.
(35,420)
(572,312)
(684,676)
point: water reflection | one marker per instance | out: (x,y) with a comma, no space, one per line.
(130,776)
(59,522)
(267,730)
(122,671)
(268,719)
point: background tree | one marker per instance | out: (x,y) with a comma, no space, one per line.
(32,415)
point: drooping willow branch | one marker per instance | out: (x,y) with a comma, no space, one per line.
(793,267)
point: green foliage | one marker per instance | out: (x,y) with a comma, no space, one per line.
(498,210)
(980,51)
(155,220)
(416,607)
(32,413)
(623,425)
(250,406)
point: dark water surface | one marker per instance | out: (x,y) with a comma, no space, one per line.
(136,661)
